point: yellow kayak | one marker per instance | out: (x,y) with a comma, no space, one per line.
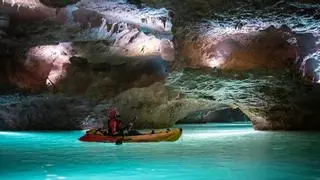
(95,135)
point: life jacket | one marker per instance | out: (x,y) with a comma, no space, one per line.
(112,113)
(114,124)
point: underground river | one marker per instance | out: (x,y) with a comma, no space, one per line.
(211,151)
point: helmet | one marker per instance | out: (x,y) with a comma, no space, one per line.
(113,112)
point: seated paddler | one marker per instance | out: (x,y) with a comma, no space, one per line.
(115,125)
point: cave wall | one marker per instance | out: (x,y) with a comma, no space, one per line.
(117,50)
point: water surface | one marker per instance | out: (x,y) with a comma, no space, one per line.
(212,151)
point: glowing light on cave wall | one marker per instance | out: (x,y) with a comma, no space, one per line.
(228,29)
(50,62)
(312,68)
(317,69)
(29,10)
(130,14)
(24,3)
(146,48)
(216,62)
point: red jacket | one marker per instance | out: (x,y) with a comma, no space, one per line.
(114,125)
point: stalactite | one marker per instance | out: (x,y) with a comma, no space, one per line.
(103,24)
(18,8)
(12,2)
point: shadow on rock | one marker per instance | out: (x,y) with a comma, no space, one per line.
(46,113)
(300,114)
(107,79)
(219,114)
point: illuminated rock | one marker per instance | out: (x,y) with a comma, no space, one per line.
(99,35)
(42,65)
(248,53)
(240,51)
(167,50)
(27,10)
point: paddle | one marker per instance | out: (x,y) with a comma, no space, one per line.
(120,140)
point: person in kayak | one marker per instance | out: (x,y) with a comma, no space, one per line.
(116,126)
(114,122)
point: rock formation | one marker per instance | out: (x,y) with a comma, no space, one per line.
(162,61)
(46,113)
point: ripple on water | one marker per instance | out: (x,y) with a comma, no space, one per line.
(204,152)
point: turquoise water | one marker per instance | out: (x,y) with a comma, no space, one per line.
(224,151)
